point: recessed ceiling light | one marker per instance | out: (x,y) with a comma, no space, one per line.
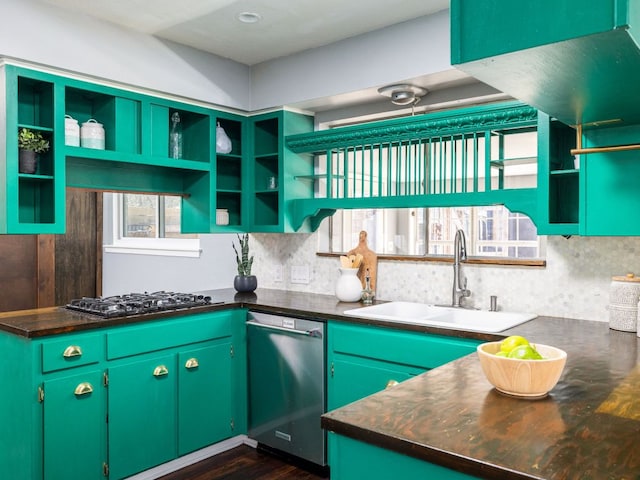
(249,17)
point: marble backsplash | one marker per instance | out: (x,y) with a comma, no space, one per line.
(574,284)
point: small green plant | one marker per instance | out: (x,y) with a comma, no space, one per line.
(30,140)
(243,260)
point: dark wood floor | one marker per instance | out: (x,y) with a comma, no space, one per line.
(243,463)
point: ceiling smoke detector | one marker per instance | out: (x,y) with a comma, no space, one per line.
(403,94)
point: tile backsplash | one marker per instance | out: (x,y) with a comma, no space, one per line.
(574,284)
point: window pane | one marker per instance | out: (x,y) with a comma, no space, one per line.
(389,231)
(140,217)
(491,231)
(172,213)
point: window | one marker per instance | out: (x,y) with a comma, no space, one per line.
(491,231)
(150,224)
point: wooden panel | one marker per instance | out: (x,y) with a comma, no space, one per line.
(46,280)
(77,252)
(18,275)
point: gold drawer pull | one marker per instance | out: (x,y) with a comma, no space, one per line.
(72,351)
(391,383)
(192,363)
(84,388)
(160,371)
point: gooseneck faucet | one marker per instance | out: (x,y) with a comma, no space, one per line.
(459,280)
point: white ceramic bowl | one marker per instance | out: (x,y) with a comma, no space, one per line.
(522,378)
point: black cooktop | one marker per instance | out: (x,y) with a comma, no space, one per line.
(138,303)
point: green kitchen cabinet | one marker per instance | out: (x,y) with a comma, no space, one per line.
(118,400)
(231,174)
(142,414)
(135,158)
(363,360)
(352,460)
(205,396)
(32,202)
(74,426)
(579,65)
(277,175)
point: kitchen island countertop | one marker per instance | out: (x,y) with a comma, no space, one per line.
(587,428)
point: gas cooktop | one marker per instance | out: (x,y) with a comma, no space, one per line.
(138,303)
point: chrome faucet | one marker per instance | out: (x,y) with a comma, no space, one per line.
(459,280)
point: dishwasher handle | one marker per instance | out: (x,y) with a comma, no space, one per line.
(314,332)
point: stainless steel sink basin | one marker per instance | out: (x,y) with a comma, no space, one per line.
(432,315)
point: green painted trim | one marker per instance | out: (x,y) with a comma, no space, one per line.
(452,122)
(518,200)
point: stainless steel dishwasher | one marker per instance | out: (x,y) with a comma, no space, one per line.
(287,384)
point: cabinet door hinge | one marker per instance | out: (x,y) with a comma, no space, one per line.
(231,351)
(233,425)
(105,379)
(332,369)
(105,469)
(40,393)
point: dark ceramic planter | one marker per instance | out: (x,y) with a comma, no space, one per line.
(245,283)
(28,161)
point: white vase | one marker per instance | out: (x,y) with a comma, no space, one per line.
(348,286)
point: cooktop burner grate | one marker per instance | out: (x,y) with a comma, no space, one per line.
(137,303)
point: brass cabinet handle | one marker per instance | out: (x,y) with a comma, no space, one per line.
(83,388)
(72,351)
(192,363)
(160,371)
(391,383)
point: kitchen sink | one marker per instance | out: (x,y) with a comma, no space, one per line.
(437,316)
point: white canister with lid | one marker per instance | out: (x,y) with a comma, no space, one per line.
(92,134)
(624,295)
(71,131)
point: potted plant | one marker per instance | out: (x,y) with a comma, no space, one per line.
(30,145)
(244,281)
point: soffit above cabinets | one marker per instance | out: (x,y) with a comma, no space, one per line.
(285,27)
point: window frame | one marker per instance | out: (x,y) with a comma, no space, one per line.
(173,247)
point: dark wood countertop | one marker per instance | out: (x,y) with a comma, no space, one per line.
(587,428)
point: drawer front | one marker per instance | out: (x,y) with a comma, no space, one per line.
(135,340)
(405,348)
(72,351)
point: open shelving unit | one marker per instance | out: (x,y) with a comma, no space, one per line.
(230,174)
(31,200)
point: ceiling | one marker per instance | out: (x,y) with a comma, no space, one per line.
(285,26)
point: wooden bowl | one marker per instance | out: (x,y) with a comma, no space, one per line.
(522,378)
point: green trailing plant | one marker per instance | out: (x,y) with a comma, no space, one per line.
(30,140)
(242,259)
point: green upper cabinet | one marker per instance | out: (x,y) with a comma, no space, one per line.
(136,155)
(245,188)
(579,64)
(32,200)
(230,174)
(276,174)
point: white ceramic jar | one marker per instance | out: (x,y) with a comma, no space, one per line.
(222,216)
(92,134)
(348,286)
(624,295)
(71,131)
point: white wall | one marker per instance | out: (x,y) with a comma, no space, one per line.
(125,272)
(574,284)
(41,33)
(215,268)
(407,50)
